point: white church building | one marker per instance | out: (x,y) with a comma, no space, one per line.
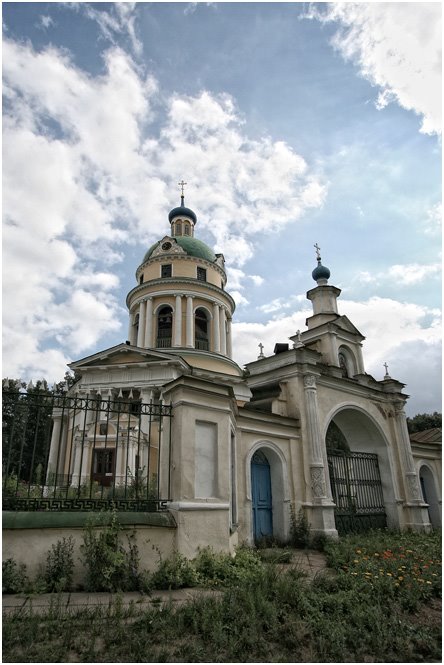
(242,449)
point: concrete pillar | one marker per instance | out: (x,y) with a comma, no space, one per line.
(418,514)
(229,342)
(132,330)
(190,323)
(178,322)
(360,359)
(216,329)
(223,331)
(86,471)
(149,324)
(54,448)
(322,518)
(141,331)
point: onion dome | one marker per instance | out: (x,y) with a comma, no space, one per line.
(182,210)
(320,274)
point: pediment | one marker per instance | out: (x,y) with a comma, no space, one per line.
(125,354)
(344,323)
(168,245)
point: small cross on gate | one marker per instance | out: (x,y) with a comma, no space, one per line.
(386,369)
(261,347)
(318,250)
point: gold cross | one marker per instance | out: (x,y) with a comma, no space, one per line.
(182,185)
(318,249)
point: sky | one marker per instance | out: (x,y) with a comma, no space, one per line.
(292,124)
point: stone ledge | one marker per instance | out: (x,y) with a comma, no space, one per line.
(60,520)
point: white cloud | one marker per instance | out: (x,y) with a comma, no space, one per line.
(433,223)
(84,172)
(402,274)
(45,22)
(397,47)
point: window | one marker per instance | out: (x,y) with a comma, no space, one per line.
(166,270)
(141,279)
(178,228)
(201,330)
(201,274)
(103,429)
(164,327)
(103,466)
(186,229)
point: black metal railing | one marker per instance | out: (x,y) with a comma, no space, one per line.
(65,452)
(357,491)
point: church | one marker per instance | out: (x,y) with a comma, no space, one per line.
(236,453)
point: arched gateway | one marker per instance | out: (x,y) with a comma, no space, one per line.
(360,472)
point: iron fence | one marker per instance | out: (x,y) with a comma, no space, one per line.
(357,491)
(65,452)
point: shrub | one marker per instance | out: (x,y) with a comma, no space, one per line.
(60,566)
(175,572)
(14,577)
(109,566)
(299,528)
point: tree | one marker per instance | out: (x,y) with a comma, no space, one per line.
(423,421)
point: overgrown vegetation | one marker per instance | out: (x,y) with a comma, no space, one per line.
(60,566)
(423,421)
(109,565)
(265,614)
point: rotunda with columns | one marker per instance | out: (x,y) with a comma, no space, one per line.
(180,302)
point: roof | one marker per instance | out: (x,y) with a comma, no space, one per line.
(433,435)
(192,246)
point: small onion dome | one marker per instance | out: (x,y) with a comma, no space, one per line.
(182,211)
(320,274)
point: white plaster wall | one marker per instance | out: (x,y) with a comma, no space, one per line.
(30,546)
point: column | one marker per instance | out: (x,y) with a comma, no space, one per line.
(149,324)
(223,331)
(190,322)
(76,466)
(132,330)
(216,329)
(85,474)
(141,331)
(418,514)
(54,448)
(317,471)
(178,322)
(229,343)
(322,516)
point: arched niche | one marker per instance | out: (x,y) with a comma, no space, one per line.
(430,494)
(347,361)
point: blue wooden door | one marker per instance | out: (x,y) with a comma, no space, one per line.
(261,496)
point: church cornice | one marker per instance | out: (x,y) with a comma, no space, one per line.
(182,281)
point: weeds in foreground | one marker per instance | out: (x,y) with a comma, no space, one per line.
(266,616)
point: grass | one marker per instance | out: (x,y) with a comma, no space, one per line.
(362,612)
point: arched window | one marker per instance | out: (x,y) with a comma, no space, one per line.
(178,228)
(186,229)
(164,327)
(201,330)
(136,327)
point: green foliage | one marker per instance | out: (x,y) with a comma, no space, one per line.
(60,566)
(175,572)
(423,421)
(268,617)
(299,528)
(14,577)
(109,566)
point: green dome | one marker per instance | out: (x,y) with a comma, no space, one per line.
(192,247)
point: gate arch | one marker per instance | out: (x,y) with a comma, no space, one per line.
(372,465)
